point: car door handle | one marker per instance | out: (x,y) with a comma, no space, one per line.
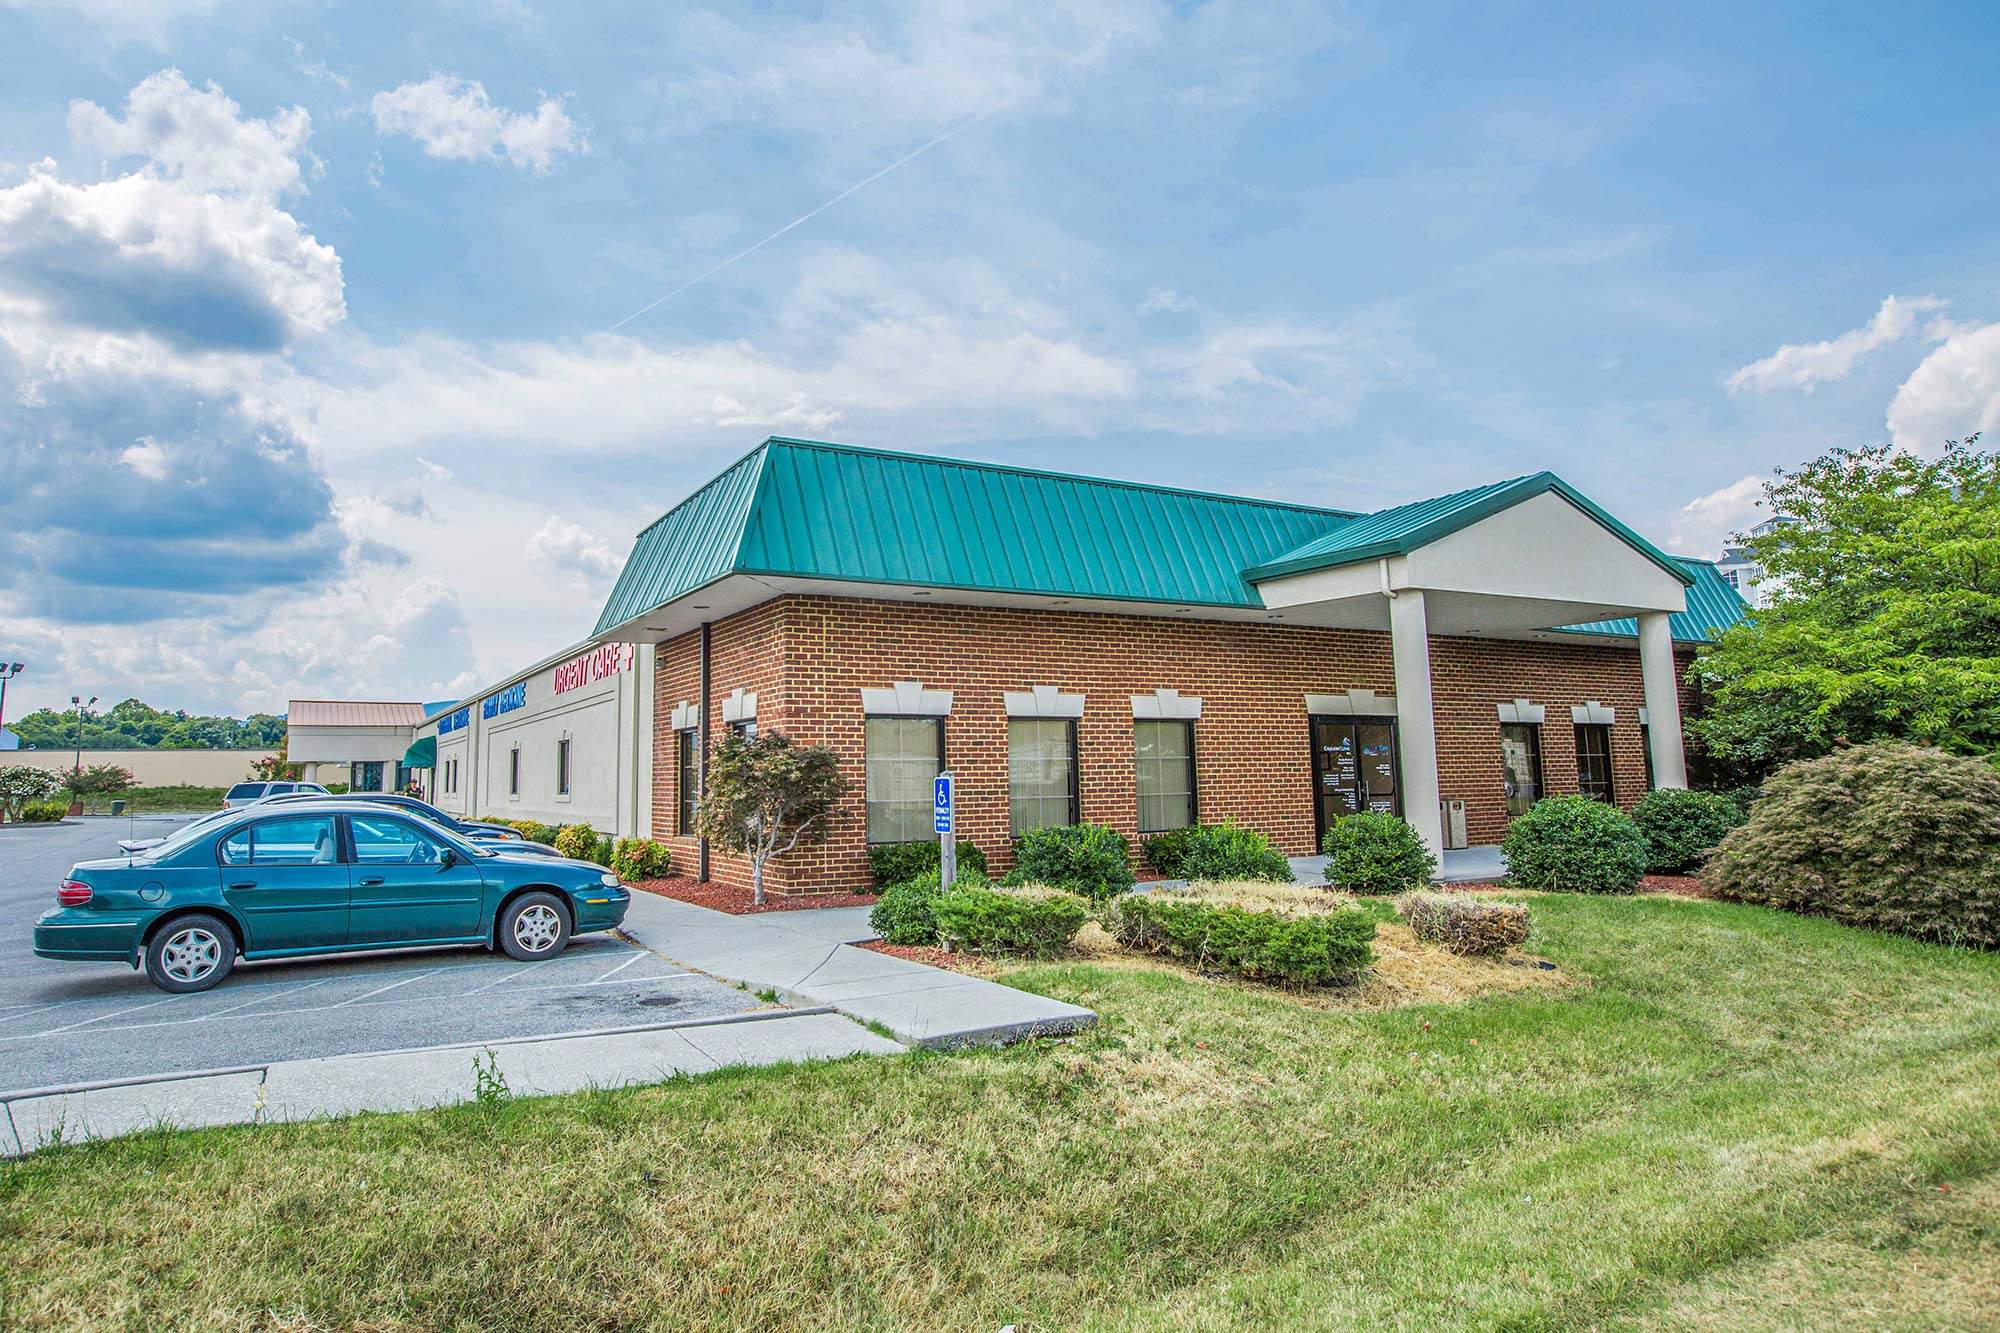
(371,881)
(243,884)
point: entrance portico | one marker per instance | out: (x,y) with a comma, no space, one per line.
(1510,561)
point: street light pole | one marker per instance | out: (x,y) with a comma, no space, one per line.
(80,707)
(8,670)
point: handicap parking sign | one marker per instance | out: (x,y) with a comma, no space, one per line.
(942,790)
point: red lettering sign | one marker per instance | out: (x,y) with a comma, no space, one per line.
(593,666)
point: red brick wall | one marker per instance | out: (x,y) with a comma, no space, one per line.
(810,657)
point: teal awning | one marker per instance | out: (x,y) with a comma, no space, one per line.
(423,754)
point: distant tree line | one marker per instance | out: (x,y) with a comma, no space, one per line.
(133,725)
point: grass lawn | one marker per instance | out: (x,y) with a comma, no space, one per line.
(1729,1119)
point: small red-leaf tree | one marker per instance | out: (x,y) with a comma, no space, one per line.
(766,796)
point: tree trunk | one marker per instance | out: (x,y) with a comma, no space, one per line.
(757,881)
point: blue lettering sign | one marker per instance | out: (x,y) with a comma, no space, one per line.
(451,722)
(514,696)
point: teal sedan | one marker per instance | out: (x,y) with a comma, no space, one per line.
(287,881)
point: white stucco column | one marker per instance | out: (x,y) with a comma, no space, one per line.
(1416,724)
(1663,699)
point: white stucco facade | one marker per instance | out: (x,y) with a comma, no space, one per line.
(503,752)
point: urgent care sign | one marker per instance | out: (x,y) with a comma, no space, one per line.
(593,666)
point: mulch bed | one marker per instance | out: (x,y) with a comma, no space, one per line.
(736,902)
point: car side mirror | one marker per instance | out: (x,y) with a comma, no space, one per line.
(447,859)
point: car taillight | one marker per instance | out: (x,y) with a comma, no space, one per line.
(73,893)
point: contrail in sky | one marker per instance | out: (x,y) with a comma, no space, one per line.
(807,217)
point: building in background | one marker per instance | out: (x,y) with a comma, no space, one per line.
(1742,571)
(364,743)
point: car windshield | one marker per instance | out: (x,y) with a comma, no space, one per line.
(449,835)
(244,791)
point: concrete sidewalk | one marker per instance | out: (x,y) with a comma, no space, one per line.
(807,957)
(435,1076)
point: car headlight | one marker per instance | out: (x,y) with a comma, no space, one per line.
(609,880)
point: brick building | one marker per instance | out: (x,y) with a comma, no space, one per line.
(1143,657)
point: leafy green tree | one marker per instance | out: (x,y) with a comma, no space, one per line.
(98,782)
(766,796)
(1885,619)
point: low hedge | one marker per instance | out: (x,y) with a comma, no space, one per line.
(1572,844)
(1313,949)
(1375,853)
(1887,836)
(1682,827)
(1035,922)
(44,812)
(641,858)
(906,913)
(1089,859)
(1216,853)
(1463,924)
(894,862)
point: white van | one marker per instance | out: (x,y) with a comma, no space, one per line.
(249,793)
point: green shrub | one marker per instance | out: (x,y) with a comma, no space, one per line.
(635,859)
(1089,859)
(182,796)
(606,847)
(1038,923)
(894,862)
(1216,853)
(1887,836)
(1303,949)
(1572,844)
(1376,853)
(576,841)
(906,912)
(1464,924)
(44,812)
(545,834)
(1681,827)
(335,788)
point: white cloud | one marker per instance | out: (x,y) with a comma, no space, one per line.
(1952,393)
(201,138)
(1705,524)
(565,546)
(1805,365)
(453,118)
(1166,301)
(434,471)
(146,458)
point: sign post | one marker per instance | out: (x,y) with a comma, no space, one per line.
(947,830)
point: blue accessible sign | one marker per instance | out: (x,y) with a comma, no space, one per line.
(942,791)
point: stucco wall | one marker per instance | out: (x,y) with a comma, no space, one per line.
(152,768)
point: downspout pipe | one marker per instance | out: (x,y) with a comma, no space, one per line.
(701,750)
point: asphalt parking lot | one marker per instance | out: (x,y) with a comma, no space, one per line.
(64,1023)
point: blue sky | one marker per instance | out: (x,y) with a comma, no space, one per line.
(311,316)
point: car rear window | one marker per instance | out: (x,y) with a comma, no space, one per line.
(244,791)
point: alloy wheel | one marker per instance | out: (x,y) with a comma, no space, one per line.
(191,955)
(538,928)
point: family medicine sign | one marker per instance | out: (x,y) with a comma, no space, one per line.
(593,666)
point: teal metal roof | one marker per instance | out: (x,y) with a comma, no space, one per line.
(804,509)
(1404,528)
(1713,605)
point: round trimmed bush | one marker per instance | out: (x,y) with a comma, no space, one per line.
(1572,844)
(906,913)
(1888,836)
(640,858)
(576,841)
(894,862)
(1375,853)
(1681,827)
(1089,859)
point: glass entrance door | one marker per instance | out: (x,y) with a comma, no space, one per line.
(1354,768)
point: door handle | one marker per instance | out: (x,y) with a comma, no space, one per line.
(371,882)
(243,884)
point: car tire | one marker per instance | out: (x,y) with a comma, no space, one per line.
(191,953)
(534,926)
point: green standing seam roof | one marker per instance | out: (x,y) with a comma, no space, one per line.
(1713,605)
(1404,528)
(804,509)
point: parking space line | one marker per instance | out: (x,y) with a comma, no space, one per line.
(84,1023)
(637,954)
(342,1004)
(510,974)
